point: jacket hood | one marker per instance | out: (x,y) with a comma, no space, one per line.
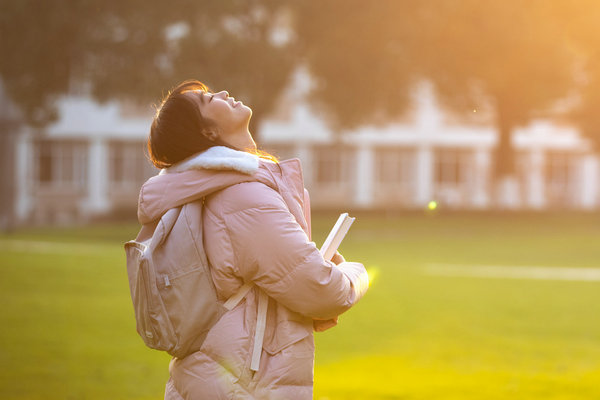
(206,173)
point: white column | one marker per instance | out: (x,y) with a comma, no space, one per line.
(507,193)
(24,164)
(365,173)
(536,184)
(589,178)
(424,176)
(481,177)
(97,201)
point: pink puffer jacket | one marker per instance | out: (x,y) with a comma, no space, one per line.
(255,230)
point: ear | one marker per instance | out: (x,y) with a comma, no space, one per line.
(211,135)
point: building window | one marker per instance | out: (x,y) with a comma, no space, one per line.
(61,163)
(331,165)
(394,167)
(127,164)
(450,166)
(44,157)
(559,178)
(453,184)
(522,169)
(558,171)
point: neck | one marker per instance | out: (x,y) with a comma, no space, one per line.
(242,140)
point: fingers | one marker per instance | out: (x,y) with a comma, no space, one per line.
(320,325)
(337,258)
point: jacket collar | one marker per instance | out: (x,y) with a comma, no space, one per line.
(216,169)
(218,158)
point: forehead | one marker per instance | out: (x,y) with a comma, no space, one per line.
(196,95)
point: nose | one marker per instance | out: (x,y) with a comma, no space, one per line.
(223,93)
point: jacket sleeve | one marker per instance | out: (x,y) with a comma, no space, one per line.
(271,250)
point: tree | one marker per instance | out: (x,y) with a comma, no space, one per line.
(133,50)
(361,56)
(9,123)
(581,19)
(511,56)
(130,49)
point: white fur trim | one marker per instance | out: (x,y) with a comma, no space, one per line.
(219,158)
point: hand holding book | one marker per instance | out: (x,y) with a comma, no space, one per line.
(337,258)
(335,237)
(329,252)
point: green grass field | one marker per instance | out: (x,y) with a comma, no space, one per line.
(67,328)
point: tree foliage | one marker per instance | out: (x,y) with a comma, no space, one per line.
(135,49)
(361,56)
(581,19)
(512,57)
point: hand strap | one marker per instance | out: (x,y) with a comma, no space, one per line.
(259,334)
(236,298)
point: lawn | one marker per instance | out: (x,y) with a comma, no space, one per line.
(67,328)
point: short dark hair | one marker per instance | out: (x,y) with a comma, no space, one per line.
(178,129)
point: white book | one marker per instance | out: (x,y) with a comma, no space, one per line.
(335,237)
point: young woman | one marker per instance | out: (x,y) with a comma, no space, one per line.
(256,234)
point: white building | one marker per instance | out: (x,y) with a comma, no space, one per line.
(428,157)
(91,162)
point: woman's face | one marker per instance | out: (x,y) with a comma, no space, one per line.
(230,116)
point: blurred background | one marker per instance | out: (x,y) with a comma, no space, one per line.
(463,134)
(391,105)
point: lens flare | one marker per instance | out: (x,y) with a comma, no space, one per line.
(432,205)
(372,272)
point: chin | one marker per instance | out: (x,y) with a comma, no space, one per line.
(248,114)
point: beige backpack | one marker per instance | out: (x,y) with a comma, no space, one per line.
(173,294)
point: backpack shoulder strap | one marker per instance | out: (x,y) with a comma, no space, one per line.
(163,228)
